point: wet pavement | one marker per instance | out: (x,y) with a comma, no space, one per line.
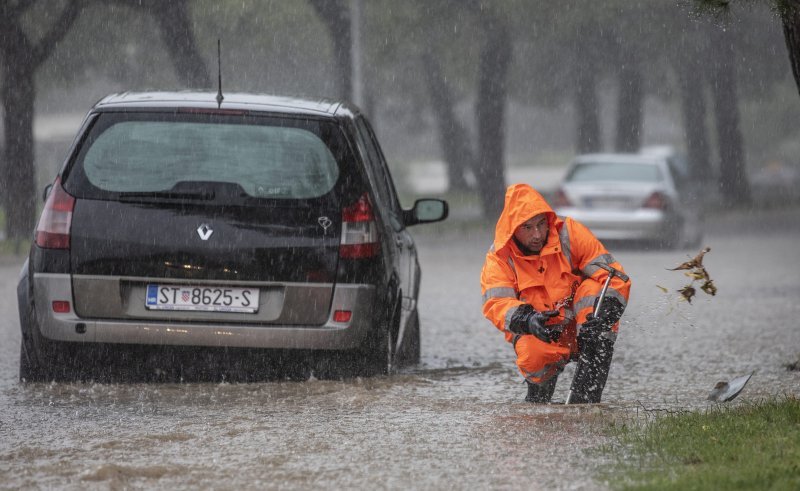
(458,420)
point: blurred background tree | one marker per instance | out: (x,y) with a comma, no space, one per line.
(478,89)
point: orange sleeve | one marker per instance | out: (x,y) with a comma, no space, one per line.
(499,290)
(587,249)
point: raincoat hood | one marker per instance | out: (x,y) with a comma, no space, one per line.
(521,204)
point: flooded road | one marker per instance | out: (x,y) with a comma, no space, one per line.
(458,420)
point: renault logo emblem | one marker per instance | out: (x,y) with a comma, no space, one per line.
(324,222)
(205,231)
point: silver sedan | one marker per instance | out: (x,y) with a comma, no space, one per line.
(631,197)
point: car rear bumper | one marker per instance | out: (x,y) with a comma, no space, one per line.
(630,225)
(332,335)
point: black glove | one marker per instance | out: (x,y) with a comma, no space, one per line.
(527,320)
(609,314)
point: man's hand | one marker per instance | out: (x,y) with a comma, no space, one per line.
(527,320)
(610,312)
(595,325)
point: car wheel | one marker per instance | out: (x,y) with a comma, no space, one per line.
(32,367)
(40,359)
(410,350)
(378,351)
(30,370)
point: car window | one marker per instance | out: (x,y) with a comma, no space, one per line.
(679,169)
(612,171)
(266,158)
(384,188)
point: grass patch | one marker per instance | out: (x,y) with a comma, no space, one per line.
(751,446)
(14,247)
(10,247)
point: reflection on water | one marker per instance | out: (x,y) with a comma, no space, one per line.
(427,428)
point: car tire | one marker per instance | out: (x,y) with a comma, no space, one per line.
(40,359)
(378,351)
(31,366)
(410,350)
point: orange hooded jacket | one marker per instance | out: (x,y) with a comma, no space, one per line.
(546,281)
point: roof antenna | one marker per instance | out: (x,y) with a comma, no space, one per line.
(219,77)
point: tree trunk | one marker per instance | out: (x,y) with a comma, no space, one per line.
(790,17)
(693,105)
(18,173)
(335,15)
(733,182)
(176,31)
(630,103)
(495,58)
(587,107)
(455,145)
(20,59)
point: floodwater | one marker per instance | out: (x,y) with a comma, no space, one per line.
(456,421)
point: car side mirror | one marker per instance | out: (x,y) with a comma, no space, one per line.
(46,191)
(426,211)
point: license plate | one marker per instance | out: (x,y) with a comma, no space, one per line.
(607,203)
(202,298)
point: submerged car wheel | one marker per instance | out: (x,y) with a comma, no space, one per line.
(41,359)
(410,349)
(35,353)
(30,367)
(378,351)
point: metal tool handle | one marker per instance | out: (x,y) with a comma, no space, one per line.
(603,294)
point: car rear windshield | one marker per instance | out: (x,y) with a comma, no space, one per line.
(261,157)
(613,171)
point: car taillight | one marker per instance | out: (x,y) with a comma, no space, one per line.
(560,200)
(61,307)
(656,200)
(52,231)
(359,231)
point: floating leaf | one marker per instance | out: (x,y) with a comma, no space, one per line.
(695,262)
(694,269)
(697,274)
(687,292)
(709,287)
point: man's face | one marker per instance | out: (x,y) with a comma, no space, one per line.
(533,233)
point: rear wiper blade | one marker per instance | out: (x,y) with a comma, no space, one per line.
(205,196)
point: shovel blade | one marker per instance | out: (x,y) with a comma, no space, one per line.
(735,386)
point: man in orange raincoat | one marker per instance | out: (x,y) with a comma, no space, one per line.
(540,285)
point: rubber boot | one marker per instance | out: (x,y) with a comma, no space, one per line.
(541,393)
(592,372)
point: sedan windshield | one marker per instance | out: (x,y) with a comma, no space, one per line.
(614,171)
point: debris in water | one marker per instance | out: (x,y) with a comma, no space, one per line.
(687,292)
(727,391)
(696,262)
(697,272)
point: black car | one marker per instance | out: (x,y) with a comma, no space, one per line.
(260,222)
